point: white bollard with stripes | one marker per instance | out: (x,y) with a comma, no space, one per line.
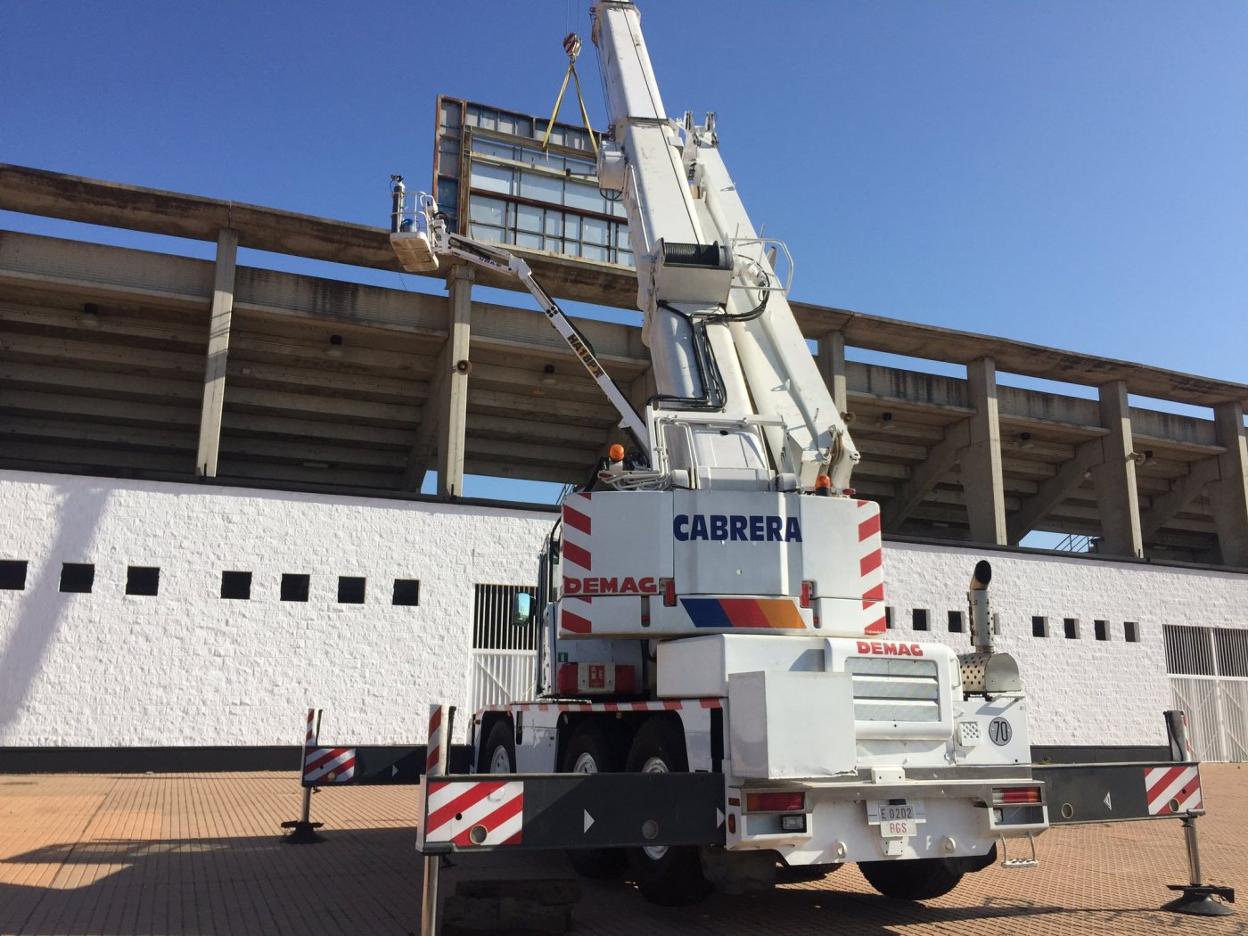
(438,747)
(303,829)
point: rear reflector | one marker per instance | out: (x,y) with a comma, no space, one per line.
(808,592)
(669,592)
(1012,796)
(775,802)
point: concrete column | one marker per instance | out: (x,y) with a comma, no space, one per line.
(831,362)
(454,418)
(982,482)
(1114,479)
(1229,493)
(217,355)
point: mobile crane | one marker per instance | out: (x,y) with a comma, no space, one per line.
(714,602)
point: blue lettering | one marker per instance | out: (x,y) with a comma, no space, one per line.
(738,527)
(680,527)
(773,529)
(719,527)
(699,528)
(756,527)
(792,530)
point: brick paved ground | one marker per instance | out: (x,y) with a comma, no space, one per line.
(198,853)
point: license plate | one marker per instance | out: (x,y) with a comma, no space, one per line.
(896,820)
(899,828)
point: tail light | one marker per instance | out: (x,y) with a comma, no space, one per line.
(775,802)
(808,592)
(669,592)
(1016,796)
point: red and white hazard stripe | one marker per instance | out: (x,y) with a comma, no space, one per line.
(1174,789)
(328,765)
(470,813)
(578,557)
(436,745)
(871,567)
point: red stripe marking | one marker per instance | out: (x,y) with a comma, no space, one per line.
(435,721)
(433,759)
(576,520)
(576,555)
(513,840)
(874,593)
(877,627)
(474,794)
(870,562)
(744,612)
(320,757)
(671,706)
(1164,781)
(573,622)
(584,495)
(709,703)
(493,820)
(869,527)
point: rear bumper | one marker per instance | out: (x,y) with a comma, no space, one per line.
(961,817)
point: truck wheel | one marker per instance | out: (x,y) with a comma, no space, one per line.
(670,876)
(589,751)
(499,753)
(918,879)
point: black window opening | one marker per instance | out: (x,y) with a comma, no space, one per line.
(1070,627)
(955,622)
(351,589)
(77,577)
(236,585)
(888,618)
(142,580)
(12,574)
(918,619)
(1131,631)
(1101,629)
(406,592)
(295,586)
(1039,627)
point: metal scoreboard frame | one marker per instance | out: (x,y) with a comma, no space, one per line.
(495,182)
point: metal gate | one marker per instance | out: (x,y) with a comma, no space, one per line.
(504,655)
(1208,669)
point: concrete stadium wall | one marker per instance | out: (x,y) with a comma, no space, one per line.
(186,667)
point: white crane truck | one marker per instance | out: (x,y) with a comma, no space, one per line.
(713,604)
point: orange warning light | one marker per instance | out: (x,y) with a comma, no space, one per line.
(616,452)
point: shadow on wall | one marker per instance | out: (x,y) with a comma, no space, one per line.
(39,610)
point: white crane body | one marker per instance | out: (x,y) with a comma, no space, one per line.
(715,602)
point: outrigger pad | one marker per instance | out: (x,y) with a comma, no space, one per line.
(1198,900)
(304,832)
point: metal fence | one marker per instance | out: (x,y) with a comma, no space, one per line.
(504,655)
(1208,669)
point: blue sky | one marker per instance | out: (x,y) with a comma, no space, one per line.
(1067,173)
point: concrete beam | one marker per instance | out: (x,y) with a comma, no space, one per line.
(217,354)
(52,194)
(927,474)
(1055,490)
(452,419)
(1117,499)
(1182,492)
(982,483)
(1230,493)
(831,360)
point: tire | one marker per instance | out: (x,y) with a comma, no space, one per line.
(919,879)
(668,876)
(589,750)
(499,753)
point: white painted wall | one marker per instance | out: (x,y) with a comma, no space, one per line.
(189,668)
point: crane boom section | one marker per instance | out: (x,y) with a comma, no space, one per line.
(721,334)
